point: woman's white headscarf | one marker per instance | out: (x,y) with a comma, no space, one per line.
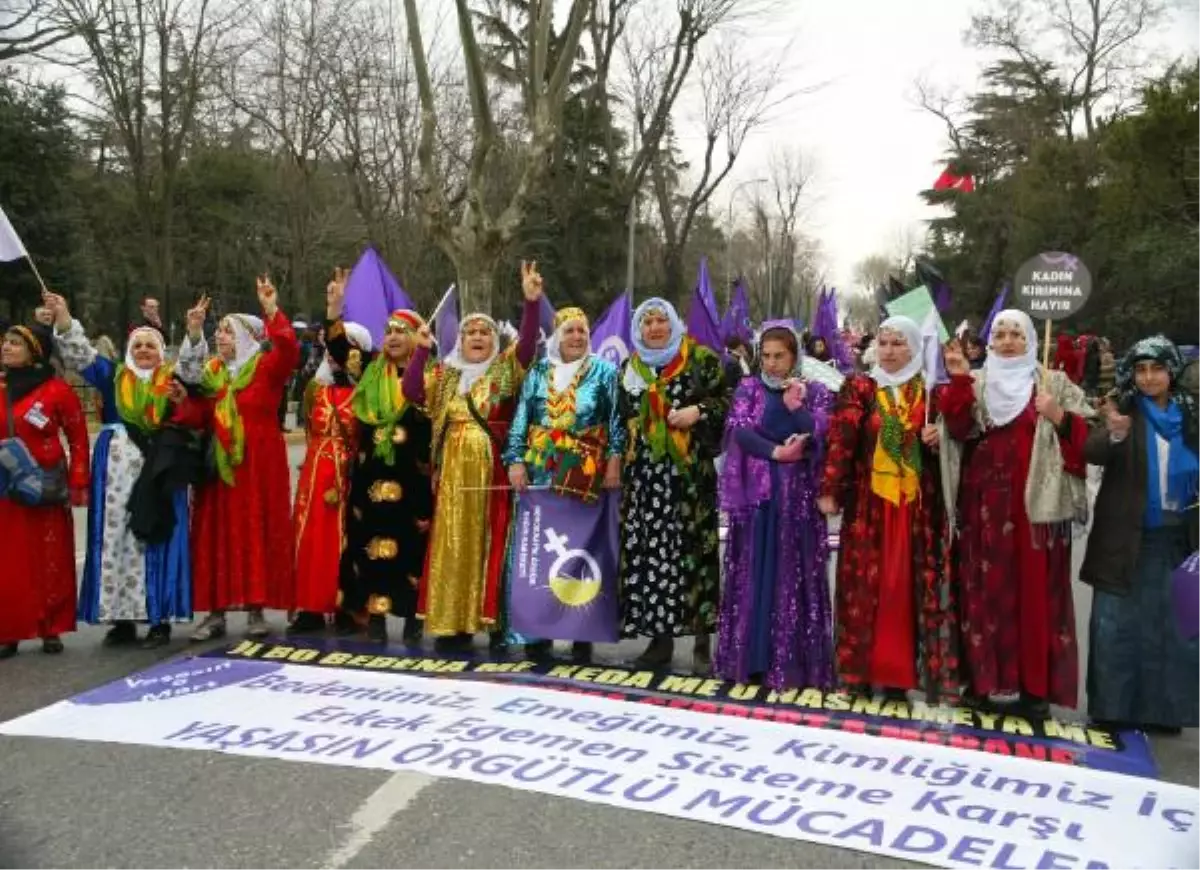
(1011,380)
(470,372)
(562,373)
(248,335)
(359,336)
(908,328)
(156,337)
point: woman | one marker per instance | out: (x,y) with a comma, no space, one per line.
(1141,672)
(1066,357)
(895,616)
(242,546)
(1107,378)
(37,585)
(817,348)
(674,397)
(470,398)
(323,489)
(391,499)
(566,431)
(138,566)
(775,623)
(1022,431)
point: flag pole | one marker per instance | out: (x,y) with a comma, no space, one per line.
(36,273)
(441,304)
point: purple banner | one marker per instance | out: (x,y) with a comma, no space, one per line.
(702,322)
(564,567)
(736,321)
(1185,590)
(372,294)
(611,333)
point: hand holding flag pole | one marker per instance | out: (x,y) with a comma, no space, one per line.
(12,248)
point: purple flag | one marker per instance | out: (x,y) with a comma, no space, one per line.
(1185,591)
(546,317)
(445,322)
(985,331)
(611,337)
(736,321)
(702,321)
(942,297)
(825,326)
(373,293)
(564,561)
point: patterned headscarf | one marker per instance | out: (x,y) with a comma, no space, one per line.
(470,372)
(563,373)
(1158,348)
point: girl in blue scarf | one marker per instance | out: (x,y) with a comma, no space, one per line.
(1141,671)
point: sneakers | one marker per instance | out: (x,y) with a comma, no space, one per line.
(211,628)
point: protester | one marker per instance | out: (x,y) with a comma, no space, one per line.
(566,433)
(674,397)
(242,546)
(1023,471)
(138,566)
(323,490)
(1107,377)
(895,616)
(739,361)
(1091,369)
(38,477)
(391,500)
(775,622)
(816,347)
(976,351)
(470,397)
(1141,672)
(150,317)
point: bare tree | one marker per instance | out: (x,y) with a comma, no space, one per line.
(1090,46)
(738,95)
(152,63)
(477,240)
(28,27)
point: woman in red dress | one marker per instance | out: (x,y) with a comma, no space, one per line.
(242,547)
(324,487)
(895,611)
(1023,485)
(37,585)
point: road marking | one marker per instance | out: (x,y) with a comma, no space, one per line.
(373,815)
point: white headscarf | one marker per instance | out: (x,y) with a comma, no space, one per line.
(908,328)
(359,336)
(562,373)
(248,335)
(470,372)
(1011,381)
(140,332)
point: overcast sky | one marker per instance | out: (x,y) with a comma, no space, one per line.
(872,147)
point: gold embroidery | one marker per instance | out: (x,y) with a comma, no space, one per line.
(385,490)
(399,435)
(382,548)
(340,598)
(377,438)
(379,605)
(358,514)
(354,363)
(332,496)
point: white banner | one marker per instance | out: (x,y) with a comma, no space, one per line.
(921,802)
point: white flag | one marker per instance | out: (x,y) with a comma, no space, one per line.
(11,247)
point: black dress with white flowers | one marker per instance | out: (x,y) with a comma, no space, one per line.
(670,563)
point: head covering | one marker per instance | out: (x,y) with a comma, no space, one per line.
(405,320)
(20,382)
(155,336)
(912,337)
(470,372)
(248,337)
(658,357)
(358,336)
(1175,424)
(778,325)
(378,400)
(1010,380)
(562,373)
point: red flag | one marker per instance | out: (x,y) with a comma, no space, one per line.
(951,180)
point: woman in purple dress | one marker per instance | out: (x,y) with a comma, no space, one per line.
(775,622)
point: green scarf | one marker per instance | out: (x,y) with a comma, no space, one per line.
(652,417)
(379,402)
(230,432)
(143,403)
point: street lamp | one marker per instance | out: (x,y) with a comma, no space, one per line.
(729,237)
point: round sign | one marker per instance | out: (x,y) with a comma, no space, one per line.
(1052,286)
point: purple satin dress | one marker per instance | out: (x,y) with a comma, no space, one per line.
(775,618)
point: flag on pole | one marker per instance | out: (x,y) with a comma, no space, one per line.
(372,294)
(736,321)
(985,331)
(11,246)
(702,321)
(445,321)
(546,317)
(611,336)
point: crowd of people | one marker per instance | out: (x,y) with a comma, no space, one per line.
(960,502)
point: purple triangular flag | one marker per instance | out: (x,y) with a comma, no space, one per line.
(985,331)
(736,321)
(611,334)
(445,322)
(702,321)
(372,294)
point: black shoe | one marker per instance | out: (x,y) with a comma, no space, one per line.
(377,628)
(658,653)
(581,652)
(1033,707)
(345,625)
(123,633)
(455,643)
(158,635)
(307,623)
(498,643)
(52,645)
(539,650)
(414,630)
(8,650)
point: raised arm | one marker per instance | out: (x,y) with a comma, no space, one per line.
(193,350)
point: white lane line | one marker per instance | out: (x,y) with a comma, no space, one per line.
(373,815)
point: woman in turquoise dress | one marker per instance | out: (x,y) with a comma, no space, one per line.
(566,433)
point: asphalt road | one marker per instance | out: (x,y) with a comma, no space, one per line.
(70,804)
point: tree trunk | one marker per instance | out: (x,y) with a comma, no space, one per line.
(476,285)
(673,271)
